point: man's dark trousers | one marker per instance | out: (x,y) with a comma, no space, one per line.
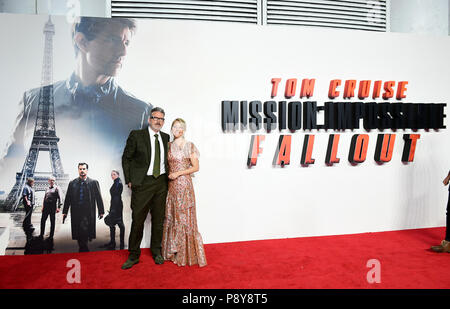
(27,221)
(149,196)
(83,237)
(49,210)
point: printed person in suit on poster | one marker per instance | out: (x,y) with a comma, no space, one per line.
(82,197)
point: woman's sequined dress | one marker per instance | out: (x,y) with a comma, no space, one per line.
(182,243)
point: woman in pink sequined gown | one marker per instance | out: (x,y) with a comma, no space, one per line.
(182,243)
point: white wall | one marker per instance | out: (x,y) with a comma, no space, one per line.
(189,69)
(420,16)
(219,62)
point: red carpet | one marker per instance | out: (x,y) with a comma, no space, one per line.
(312,262)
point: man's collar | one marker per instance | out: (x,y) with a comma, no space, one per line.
(74,85)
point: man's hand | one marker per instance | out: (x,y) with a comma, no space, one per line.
(57,210)
(129,185)
(100,216)
(173,176)
(64,217)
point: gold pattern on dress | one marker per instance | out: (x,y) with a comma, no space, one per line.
(182,243)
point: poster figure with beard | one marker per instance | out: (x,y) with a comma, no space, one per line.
(93,114)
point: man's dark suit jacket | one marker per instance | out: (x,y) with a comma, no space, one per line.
(77,213)
(137,155)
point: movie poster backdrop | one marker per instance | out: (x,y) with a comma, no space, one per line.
(301,131)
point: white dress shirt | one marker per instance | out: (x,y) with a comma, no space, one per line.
(161,147)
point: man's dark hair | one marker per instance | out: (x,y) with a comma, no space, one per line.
(157,109)
(82,163)
(30,180)
(91,26)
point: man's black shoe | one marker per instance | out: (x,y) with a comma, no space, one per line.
(159,259)
(129,263)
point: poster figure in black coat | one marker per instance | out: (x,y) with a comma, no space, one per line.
(83,194)
(115,213)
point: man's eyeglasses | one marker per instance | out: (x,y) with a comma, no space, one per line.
(157,118)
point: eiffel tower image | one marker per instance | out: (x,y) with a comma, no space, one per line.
(44,137)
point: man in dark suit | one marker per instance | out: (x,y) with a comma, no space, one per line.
(144,163)
(83,193)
